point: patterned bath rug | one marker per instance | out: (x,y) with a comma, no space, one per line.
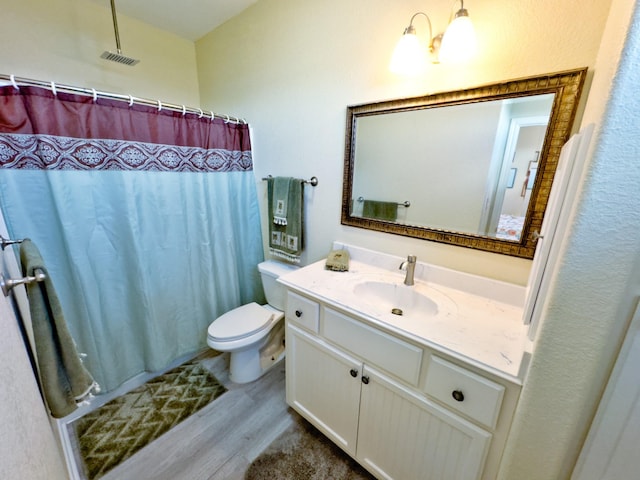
(303,453)
(114,432)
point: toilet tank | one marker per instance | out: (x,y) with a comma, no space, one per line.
(270,270)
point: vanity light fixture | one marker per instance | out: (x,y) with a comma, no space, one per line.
(457,44)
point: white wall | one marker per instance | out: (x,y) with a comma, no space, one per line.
(598,280)
(28,448)
(292,66)
(62,41)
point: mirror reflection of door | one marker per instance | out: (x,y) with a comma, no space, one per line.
(520,138)
(519,166)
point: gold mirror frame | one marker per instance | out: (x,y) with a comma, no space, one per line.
(567,87)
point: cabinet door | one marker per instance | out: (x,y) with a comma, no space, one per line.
(404,436)
(323,385)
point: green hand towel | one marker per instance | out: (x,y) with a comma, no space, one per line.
(285,234)
(380,210)
(65,381)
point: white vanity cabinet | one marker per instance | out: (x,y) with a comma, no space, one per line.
(387,401)
(323,385)
(403,435)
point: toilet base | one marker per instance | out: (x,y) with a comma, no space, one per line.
(248,365)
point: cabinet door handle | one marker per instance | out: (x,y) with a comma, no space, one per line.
(457,395)
(353,372)
(365,380)
(298,313)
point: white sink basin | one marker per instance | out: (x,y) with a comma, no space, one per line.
(403,300)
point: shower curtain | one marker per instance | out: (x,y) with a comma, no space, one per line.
(147,219)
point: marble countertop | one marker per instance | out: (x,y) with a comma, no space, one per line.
(481,330)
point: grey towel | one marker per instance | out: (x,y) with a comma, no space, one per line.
(65,381)
(285,233)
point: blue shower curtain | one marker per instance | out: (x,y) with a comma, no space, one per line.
(147,242)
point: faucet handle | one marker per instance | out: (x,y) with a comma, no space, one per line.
(411,260)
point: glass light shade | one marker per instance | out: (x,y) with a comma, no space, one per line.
(409,56)
(459,41)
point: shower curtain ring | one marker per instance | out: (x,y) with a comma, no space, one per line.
(53,89)
(130,100)
(95,95)
(184,110)
(12,77)
(159,105)
(201,113)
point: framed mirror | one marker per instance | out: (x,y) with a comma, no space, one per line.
(471,168)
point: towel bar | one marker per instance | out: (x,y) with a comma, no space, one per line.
(313,181)
(7,284)
(406,203)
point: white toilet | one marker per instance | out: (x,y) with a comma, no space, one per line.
(253,334)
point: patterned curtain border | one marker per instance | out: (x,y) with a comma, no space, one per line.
(47,152)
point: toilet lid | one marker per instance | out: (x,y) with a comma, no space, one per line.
(240,322)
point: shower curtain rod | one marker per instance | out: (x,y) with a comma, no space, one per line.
(92,92)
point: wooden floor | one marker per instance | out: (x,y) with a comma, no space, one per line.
(221,440)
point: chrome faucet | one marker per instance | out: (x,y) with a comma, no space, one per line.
(410,266)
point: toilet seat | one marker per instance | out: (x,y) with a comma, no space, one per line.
(241,322)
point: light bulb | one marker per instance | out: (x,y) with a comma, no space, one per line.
(409,56)
(459,41)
